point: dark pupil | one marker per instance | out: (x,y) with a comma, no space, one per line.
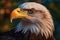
(30,11)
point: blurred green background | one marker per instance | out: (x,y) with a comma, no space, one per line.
(6,6)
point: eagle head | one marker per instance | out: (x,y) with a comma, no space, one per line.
(34,18)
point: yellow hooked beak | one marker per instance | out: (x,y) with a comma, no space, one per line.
(17,13)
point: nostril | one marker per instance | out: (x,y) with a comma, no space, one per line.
(18,11)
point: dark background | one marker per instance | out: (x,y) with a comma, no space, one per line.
(6,6)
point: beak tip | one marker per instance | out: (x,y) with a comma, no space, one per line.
(11,21)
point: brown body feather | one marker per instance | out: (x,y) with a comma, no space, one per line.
(32,36)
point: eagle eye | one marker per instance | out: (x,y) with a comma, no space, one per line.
(30,11)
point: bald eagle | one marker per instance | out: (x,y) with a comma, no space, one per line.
(35,22)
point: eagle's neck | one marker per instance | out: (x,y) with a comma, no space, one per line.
(27,27)
(34,28)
